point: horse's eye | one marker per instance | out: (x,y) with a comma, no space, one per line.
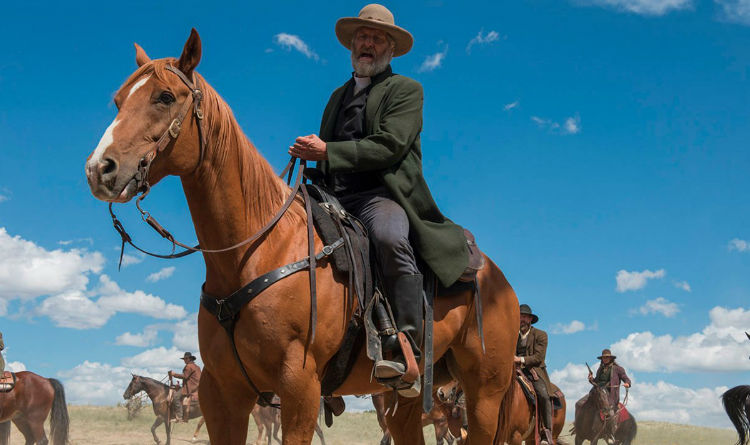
(166,98)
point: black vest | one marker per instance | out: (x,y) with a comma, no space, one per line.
(350,126)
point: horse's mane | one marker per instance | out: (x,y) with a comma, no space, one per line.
(227,143)
(151,380)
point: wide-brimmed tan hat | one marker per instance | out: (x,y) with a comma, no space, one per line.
(378,17)
(607,353)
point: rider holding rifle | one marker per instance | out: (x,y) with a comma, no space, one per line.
(191,376)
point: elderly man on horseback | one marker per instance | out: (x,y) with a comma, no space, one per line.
(369,152)
(531,350)
(191,376)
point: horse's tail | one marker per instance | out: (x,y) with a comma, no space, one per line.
(504,416)
(5,433)
(59,421)
(734,401)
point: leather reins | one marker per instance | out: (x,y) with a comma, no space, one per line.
(217,305)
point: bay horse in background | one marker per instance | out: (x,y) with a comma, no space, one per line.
(268,419)
(437,417)
(232,192)
(736,403)
(158,392)
(602,421)
(28,404)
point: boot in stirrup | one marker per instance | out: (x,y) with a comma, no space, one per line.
(405,298)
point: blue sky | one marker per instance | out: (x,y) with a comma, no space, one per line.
(581,141)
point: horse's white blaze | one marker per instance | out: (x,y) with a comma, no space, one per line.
(137,85)
(105,142)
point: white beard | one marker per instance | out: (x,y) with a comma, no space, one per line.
(369,69)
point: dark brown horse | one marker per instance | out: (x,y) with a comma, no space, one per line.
(28,405)
(590,426)
(158,393)
(437,417)
(232,192)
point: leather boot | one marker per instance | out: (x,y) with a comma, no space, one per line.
(177,409)
(405,299)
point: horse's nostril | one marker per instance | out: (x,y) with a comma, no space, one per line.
(108,166)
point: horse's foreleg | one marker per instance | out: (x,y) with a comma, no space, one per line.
(300,388)
(405,425)
(198,428)
(156,424)
(226,413)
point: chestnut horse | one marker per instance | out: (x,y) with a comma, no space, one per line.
(28,405)
(232,192)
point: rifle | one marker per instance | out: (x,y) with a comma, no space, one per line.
(591,373)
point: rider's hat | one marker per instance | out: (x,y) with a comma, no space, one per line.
(607,353)
(378,17)
(189,355)
(525,309)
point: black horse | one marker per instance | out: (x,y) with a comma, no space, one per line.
(590,426)
(736,403)
(158,392)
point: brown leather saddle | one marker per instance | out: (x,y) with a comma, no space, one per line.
(7,381)
(527,386)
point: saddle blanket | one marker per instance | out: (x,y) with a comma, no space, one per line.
(622,416)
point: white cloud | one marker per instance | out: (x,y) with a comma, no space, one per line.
(736,11)
(720,346)
(75,309)
(94,383)
(431,63)
(88,240)
(636,280)
(510,106)
(129,260)
(15,367)
(143,339)
(570,328)
(291,41)
(658,401)
(186,333)
(4,198)
(660,306)
(480,39)
(572,125)
(161,275)
(643,7)
(684,285)
(28,271)
(159,359)
(739,245)
(137,302)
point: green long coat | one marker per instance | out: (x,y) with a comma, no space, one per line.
(391,146)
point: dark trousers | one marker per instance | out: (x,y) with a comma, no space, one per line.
(388,227)
(545,404)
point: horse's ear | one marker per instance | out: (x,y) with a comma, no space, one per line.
(191,54)
(141,58)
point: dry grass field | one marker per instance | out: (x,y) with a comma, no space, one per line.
(109,425)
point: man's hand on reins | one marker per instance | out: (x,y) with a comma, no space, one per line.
(309,148)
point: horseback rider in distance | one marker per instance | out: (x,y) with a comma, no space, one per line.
(369,153)
(531,350)
(191,376)
(609,375)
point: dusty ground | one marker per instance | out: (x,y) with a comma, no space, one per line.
(109,425)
